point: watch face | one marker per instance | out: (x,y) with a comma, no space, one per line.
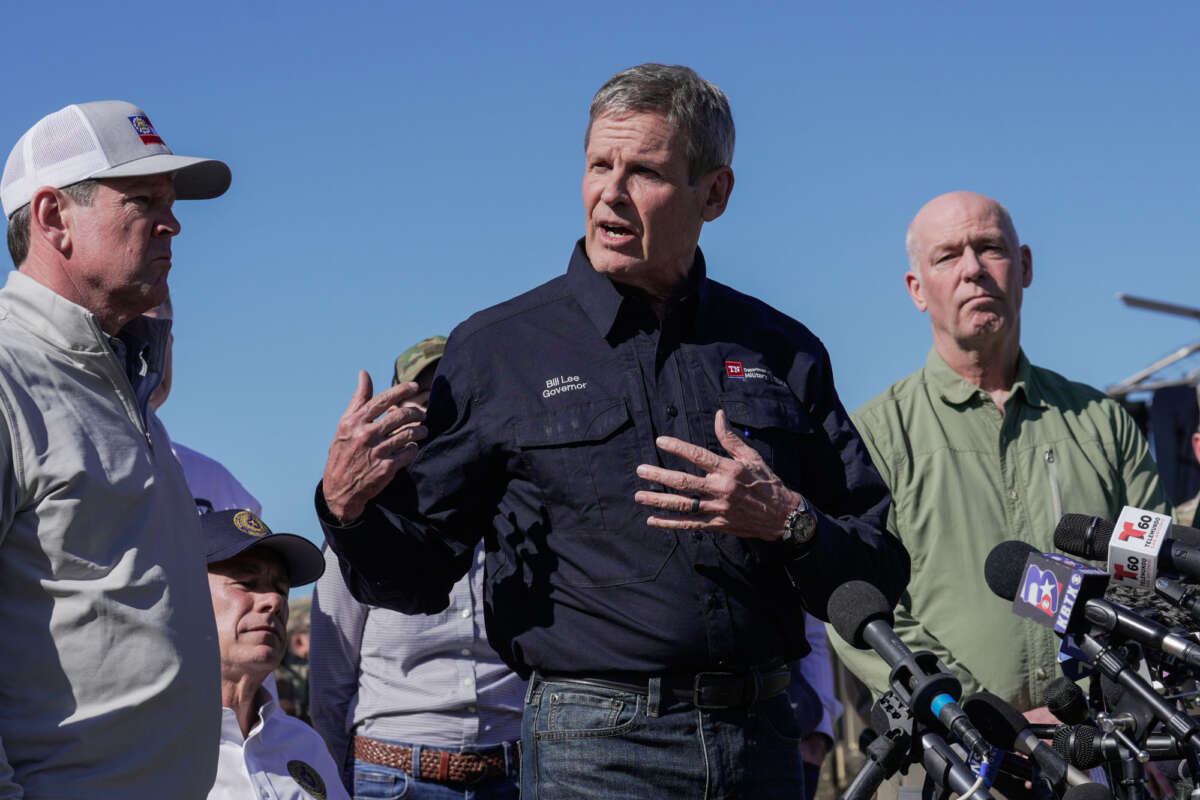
(800,525)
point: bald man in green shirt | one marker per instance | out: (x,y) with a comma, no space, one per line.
(980,446)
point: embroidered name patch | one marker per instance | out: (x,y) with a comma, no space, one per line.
(563,383)
(738,371)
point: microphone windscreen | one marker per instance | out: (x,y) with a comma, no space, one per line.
(1084,754)
(1083,536)
(995,719)
(1066,701)
(854,605)
(1005,567)
(1088,791)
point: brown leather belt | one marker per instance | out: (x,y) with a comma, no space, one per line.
(436,765)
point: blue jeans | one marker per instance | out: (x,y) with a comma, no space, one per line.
(377,782)
(580,740)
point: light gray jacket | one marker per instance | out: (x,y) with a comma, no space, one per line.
(110,679)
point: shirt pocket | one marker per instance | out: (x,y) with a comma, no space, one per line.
(582,458)
(771,421)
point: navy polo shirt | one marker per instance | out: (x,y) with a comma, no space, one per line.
(542,409)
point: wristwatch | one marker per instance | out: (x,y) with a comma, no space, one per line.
(800,525)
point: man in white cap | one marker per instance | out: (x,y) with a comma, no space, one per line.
(113,676)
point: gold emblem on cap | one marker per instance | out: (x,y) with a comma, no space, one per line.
(247,523)
(308,778)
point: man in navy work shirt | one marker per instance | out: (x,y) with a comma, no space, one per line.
(655,645)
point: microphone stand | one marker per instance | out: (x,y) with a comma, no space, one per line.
(911,741)
(1183,727)
(887,754)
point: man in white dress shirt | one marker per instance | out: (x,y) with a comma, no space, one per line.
(263,751)
(214,487)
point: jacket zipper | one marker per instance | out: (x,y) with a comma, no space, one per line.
(125,390)
(1052,472)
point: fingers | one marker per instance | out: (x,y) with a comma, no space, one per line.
(682,481)
(678,523)
(402,437)
(398,418)
(362,392)
(730,441)
(704,459)
(671,502)
(394,396)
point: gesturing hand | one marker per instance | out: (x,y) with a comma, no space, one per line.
(376,438)
(738,495)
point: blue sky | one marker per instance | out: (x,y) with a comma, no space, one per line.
(397,166)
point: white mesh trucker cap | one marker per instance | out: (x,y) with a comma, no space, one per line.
(104,139)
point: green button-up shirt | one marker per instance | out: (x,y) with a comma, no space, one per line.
(964,478)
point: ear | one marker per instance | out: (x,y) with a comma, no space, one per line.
(912,281)
(717,186)
(1026,266)
(48,219)
(1196,445)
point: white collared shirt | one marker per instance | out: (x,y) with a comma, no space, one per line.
(281,759)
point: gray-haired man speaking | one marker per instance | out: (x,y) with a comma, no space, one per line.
(656,646)
(112,672)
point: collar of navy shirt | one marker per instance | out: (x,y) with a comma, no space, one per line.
(604,301)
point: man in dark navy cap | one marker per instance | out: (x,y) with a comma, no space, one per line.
(262,750)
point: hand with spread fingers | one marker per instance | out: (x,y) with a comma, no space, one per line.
(739,494)
(376,438)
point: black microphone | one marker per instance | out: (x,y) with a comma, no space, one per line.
(1082,527)
(1044,602)
(1004,727)
(1061,593)
(1179,594)
(1005,567)
(863,617)
(1086,747)
(1089,537)
(1067,701)
(1125,624)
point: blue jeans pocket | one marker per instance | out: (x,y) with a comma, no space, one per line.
(375,782)
(598,743)
(576,712)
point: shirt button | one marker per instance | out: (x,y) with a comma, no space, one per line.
(1041,673)
(467,681)
(466,651)
(466,612)
(471,709)
(672,411)
(1012,494)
